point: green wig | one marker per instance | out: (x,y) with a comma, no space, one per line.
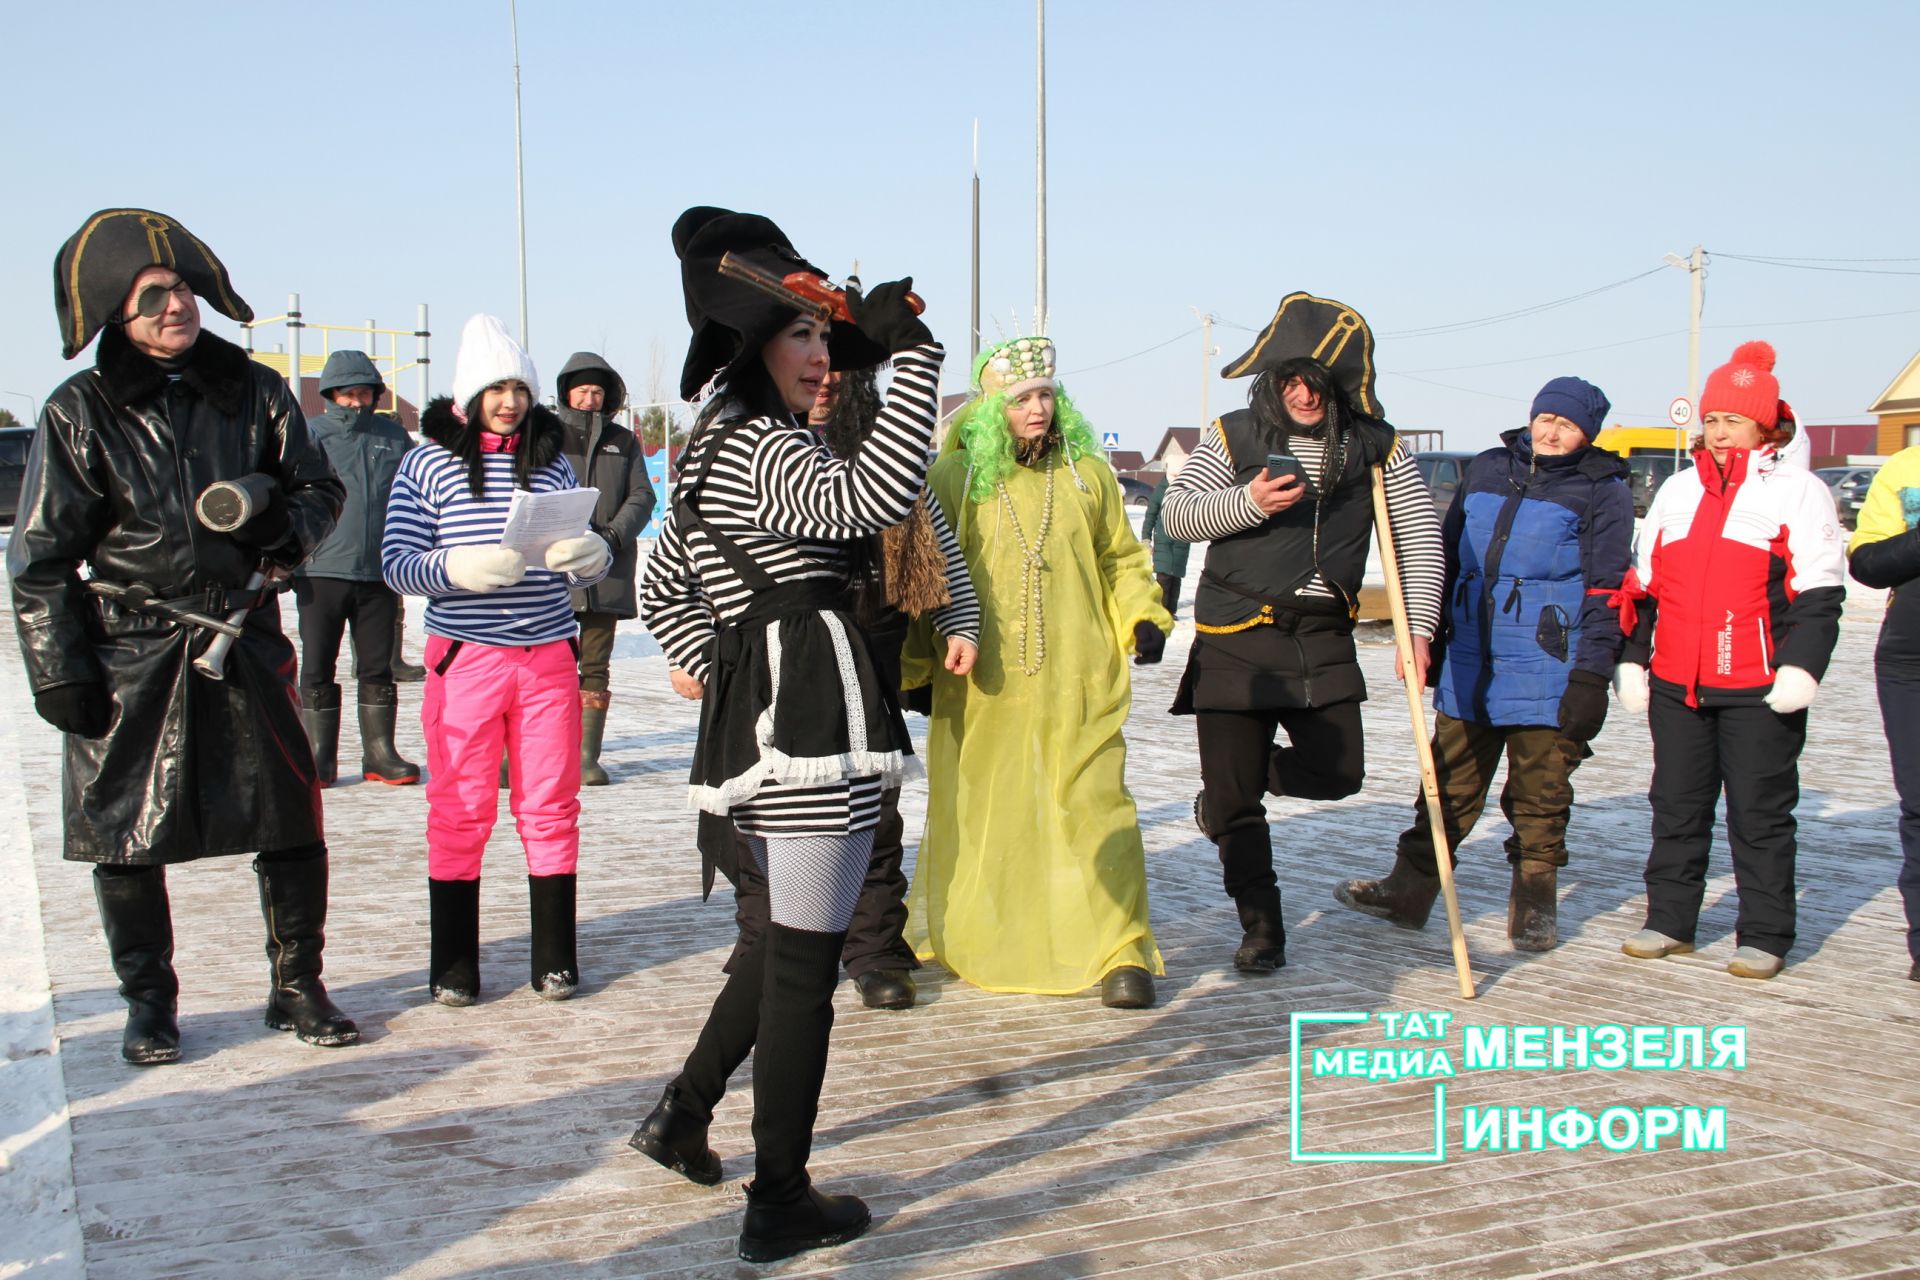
(980,427)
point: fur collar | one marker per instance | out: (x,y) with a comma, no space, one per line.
(215,368)
(544,432)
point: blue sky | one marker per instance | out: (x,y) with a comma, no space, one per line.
(1428,164)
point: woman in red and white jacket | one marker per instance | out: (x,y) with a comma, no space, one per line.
(1743,567)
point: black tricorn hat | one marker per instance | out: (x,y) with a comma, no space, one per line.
(729,317)
(1320,329)
(97,265)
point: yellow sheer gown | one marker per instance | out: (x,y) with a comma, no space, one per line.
(1031,876)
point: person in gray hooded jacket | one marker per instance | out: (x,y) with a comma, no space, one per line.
(607,457)
(341,582)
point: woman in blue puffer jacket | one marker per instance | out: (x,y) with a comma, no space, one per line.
(1539,539)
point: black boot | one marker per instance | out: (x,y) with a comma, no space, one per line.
(379,761)
(785,1215)
(887,989)
(556,968)
(453,964)
(404,672)
(1404,897)
(593,731)
(1263,941)
(1533,921)
(674,1135)
(1128,987)
(293,899)
(320,716)
(139,925)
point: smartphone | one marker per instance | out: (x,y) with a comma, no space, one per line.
(1285,464)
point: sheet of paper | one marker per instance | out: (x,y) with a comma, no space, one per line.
(535,521)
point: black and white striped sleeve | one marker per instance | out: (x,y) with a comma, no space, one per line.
(960,616)
(1205,503)
(803,491)
(672,605)
(1417,546)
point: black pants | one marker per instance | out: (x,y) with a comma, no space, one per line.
(596,649)
(1900,710)
(1754,754)
(326,606)
(876,936)
(1169,592)
(1325,760)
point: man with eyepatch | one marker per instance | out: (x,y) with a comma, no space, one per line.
(163,762)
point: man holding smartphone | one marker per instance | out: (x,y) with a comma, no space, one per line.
(1281,492)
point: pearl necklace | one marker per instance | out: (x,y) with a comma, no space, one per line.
(1033,613)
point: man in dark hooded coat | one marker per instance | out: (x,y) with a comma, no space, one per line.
(164,763)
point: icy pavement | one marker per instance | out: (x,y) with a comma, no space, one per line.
(992,1134)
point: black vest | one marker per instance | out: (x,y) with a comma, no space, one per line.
(1257,571)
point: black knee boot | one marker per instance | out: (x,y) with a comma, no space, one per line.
(1263,941)
(379,761)
(675,1133)
(556,967)
(453,961)
(139,925)
(293,899)
(785,1215)
(320,716)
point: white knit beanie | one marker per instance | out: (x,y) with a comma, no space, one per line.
(488,354)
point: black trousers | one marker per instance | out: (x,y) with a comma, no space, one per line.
(596,648)
(1325,759)
(1753,754)
(1169,592)
(876,936)
(327,605)
(1899,687)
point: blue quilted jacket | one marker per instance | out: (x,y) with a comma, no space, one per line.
(1529,541)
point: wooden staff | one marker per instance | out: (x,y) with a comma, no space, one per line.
(1429,776)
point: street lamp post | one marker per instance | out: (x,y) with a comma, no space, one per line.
(33,406)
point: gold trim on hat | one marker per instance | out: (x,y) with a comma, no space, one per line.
(157,226)
(1345,325)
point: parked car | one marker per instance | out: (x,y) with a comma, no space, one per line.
(1649,472)
(13,466)
(1443,469)
(1849,490)
(1137,492)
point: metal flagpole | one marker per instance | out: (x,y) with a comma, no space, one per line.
(519,171)
(973,349)
(1040,187)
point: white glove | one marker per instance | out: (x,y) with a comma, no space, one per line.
(485,568)
(1793,690)
(583,557)
(1630,686)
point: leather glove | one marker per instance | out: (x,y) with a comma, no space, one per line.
(1793,690)
(1630,686)
(270,525)
(485,568)
(1149,642)
(1583,707)
(80,709)
(583,557)
(884,315)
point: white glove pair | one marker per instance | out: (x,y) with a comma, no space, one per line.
(488,568)
(1793,689)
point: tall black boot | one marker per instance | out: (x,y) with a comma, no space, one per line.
(1263,944)
(320,716)
(675,1133)
(139,925)
(293,899)
(404,672)
(453,964)
(379,761)
(556,968)
(785,1215)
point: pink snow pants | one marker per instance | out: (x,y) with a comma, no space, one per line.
(526,700)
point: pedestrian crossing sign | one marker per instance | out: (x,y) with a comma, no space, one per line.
(1109,439)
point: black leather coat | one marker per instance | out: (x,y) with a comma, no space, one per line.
(189,766)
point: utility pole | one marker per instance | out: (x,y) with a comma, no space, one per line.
(1206,361)
(519,171)
(1696,267)
(1040,186)
(973,349)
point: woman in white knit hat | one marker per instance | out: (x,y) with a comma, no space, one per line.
(500,654)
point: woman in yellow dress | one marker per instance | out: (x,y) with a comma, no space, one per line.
(1031,876)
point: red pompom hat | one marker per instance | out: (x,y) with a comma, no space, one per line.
(1745,385)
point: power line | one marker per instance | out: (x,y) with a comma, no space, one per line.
(1136,355)
(1813,265)
(1522,313)
(1787,257)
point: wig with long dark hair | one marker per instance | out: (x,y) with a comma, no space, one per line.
(1266,400)
(543,431)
